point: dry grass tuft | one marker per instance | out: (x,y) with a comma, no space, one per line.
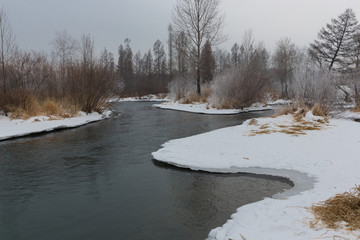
(320,110)
(342,210)
(193,97)
(229,104)
(50,107)
(253,122)
(300,114)
(356,108)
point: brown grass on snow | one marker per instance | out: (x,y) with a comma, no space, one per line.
(298,127)
(342,210)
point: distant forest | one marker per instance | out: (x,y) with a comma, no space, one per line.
(190,66)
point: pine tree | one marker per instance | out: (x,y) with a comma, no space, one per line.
(335,42)
(207,63)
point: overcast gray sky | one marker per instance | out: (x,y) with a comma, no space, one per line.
(143,21)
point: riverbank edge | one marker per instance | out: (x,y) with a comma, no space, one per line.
(205,108)
(289,218)
(17,128)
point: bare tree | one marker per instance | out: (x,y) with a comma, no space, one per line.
(7,46)
(200,20)
(181,46)
(64,50)
(335,41)
(284,60)
(171,51)
(87,50)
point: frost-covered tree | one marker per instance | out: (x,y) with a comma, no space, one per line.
(313,85)
(335,42)
(171,39)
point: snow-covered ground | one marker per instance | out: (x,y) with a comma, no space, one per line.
(205,108)
(147,98)
(330,156)
(18,127)
(347,114)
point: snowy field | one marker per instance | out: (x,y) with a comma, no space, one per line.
(18,127)
(205,108)
(330,156)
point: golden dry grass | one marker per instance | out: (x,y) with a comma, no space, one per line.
(342,210)
(356,108)
(54,109)
(253,121)
(320,110)
(193,98)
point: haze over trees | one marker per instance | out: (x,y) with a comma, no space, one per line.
(190,65)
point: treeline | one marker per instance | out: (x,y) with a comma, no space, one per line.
(326,73)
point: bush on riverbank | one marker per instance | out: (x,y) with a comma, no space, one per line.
(34,84)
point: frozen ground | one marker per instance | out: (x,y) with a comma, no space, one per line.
(18,127)
(205,108)
(329,156)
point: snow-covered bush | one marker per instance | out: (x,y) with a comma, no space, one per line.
(238,88)
(312,85)
(182,87)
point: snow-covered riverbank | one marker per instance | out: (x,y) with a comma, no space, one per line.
(147,98)
(205,108)
(18,127)
(329,154)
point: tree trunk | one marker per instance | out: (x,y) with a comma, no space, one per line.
(198,80)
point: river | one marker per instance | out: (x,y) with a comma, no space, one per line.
(99,181)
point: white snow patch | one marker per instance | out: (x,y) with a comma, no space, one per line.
(18,127)
(205,108)
(147,98)
(347,114)
(330,156)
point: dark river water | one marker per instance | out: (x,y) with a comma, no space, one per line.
(99,181)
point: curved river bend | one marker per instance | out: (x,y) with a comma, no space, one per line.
(100,182)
